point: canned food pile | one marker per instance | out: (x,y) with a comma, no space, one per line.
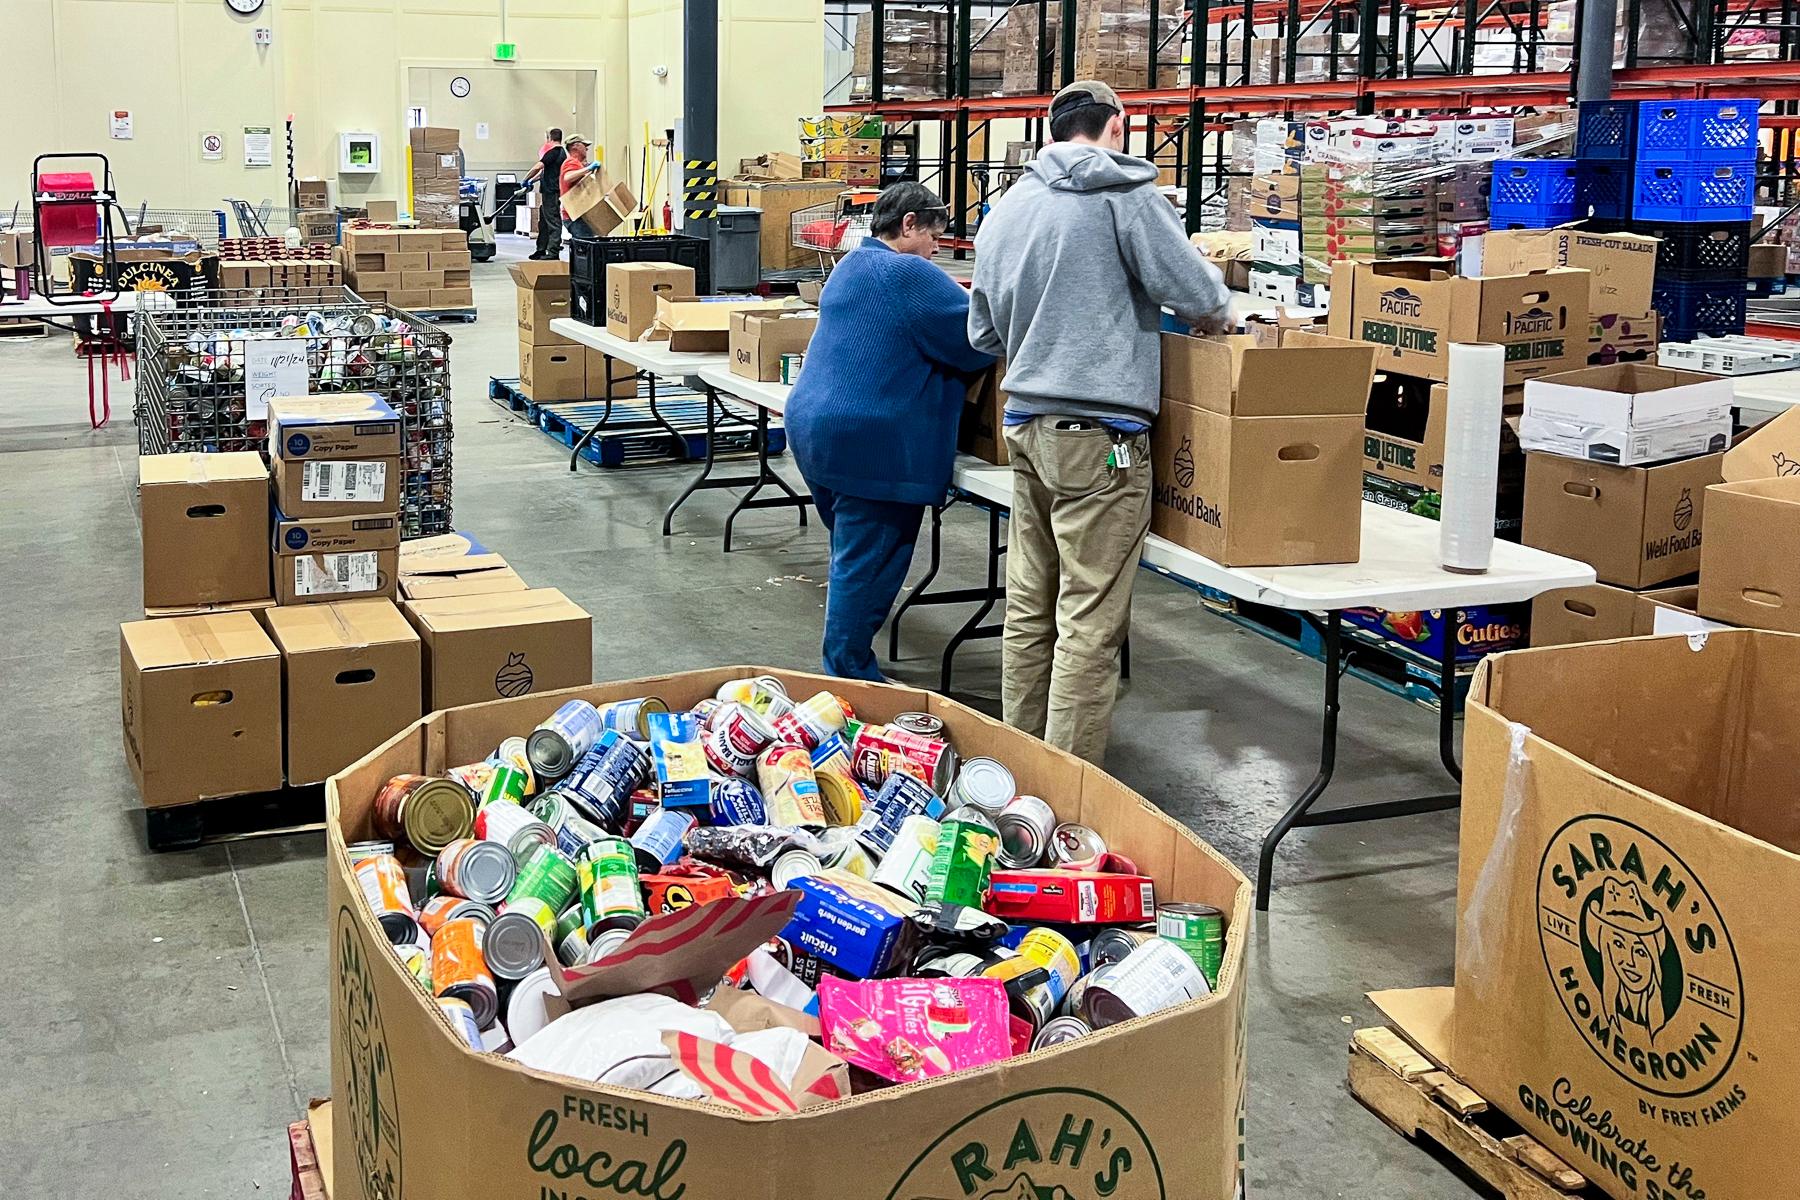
(942,921)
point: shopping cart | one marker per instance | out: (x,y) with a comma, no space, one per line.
(202,225)
(835,228)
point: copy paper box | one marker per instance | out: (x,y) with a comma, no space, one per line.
(349,681)
(632,290)
(337,487)
(1416,308)
(1257,452)
(389,1042)
(758,340)
(320,559)
(352,425)
(205,522)
(1750,564)
(552,372)
(618,379)
(1585,614)
(702,325)
(200,701)
(1627,413)
(1637,526)
(1626,983)
(501,644)
(543,295)
(453,564)
(1621,267)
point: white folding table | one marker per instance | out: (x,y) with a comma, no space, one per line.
(96,345)
(1767,395)
(1398,571)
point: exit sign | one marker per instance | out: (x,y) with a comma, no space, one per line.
(505,51)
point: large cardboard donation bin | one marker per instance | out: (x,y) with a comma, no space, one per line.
(1150,1109)
(1627,986)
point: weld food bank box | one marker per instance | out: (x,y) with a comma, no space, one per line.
(1750,563)
(1416,308)
(506,643)
(349,681)
(1636,526)
(1626,982)
(1258,452)
(205,527)
(419,1116)
(335,456)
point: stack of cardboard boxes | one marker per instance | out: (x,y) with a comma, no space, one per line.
(436,176)
(272,649)
(268,262)
(1114,42)
(314,216)
(845,149)
(551,366)
(916,54)
(778,201)
(414,269)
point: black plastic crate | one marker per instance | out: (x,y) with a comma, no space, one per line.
(1608,130)
(589,257)
(587,303)
(1694,308)
(1701,250)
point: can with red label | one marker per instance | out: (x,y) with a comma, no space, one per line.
(459,970)
(881,750)
(384,887)
(428,812)
(811,721)
(734,738)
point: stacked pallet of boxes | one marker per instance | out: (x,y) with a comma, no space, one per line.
(314,216)
(415,269)
(843,149)
(436,176)
(1114,41)
(297,272)
(1274,206)
(551,366)
(1682,171)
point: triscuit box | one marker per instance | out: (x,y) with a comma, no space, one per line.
(205,528)
(1628,413)
(702,325)
(349,681)
(337,487)
(1621,267)
(1626,982)
(453,564)
(1258,452)
(501,644)
(543,295)
(1594,613)
(200,702)
(1637,526)
(632,290)
(1750,565)
(1416,308)
(352,425)
(1082,1119)
(758,340)
(319,559)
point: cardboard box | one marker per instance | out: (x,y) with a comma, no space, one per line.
(383,212)
(1767,261)
(200,702)
(349,681)
(1622,947)
(702,325)
(1621,267)
(982,428)
(759,339)
(253,607)
(421,278)
(501,644)
(372,284)
(462,260)
(407,262)
(320,559)
(453,564)
(351,425)
(778,202)
(1628,413)
(433,139)
(632,290)
(17,248)
(1637,526)
(1189,1150)
(618,381)
(1623,337)
(451,297)
(1399,406)
(1683,600)
(552,372)
(1594,613)
(358,242)
(1475,631)
(603,207)
(205,523)
(1415,308)
(1750,565)
(341,487)
(1258,452)
(409,299)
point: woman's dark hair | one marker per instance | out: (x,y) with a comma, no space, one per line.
(899,199)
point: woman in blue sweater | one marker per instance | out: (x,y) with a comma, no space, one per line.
(873,419)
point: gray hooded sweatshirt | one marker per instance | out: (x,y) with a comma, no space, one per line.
(1072,269)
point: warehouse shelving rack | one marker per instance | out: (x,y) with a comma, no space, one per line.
(1181,123)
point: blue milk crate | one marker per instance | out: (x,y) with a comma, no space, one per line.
(1692,192)
(1697,131)
(1607,131)
(1603,189)
(1532,192)
(1694,308)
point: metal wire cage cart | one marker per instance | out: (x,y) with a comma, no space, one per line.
(191,387)
(834,228)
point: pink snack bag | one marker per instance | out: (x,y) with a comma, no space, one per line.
(911,1029)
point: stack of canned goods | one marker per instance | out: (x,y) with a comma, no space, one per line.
(910,861)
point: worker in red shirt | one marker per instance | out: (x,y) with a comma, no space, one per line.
(572,172)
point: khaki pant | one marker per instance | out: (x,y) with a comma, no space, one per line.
(1072,549)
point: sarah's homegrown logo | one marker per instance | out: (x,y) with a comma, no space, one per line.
(1639,956)
(368,1072)
(1050,1144)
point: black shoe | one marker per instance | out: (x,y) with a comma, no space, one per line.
(536,257)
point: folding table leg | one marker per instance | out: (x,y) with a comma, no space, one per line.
(712,405)
(972,628)
(765,476)
(1265,863)
(605,415)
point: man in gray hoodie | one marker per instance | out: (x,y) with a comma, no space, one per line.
(1072,269)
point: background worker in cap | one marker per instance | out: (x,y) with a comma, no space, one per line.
(573,169)
(873,419)
(1072,268)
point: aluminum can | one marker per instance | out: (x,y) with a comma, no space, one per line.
(734,738)
(514,943)
(1109,946)
(564,738)
(427,811)
(790,789)
(462,1020)
(1199,929)
(631,718)
(1072,843)
(435,911)
(1060,1030)
(878,751)
(507,785)
(841,794)
(476,870)
(1157,975)
(902,796)
(514,827)
(923,724)
(601,784)
(605,944)
(611,897)
(383,885)
(459,970)
(983,783)
(1025,826)
(1055,953)
(577,831)
(906,867)
(964,863)
(658,841)
(369,849)
(548,875)
(811,721)
(735,801)
(792,865)
(764,695)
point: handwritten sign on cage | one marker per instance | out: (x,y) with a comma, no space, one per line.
(275,367)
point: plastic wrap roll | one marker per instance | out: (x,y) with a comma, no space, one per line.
(1471,456)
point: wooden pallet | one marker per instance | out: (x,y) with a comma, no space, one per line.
(22,327)
(1418,1098)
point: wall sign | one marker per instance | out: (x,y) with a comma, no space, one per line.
(259,146)
(212,146)
(120,124)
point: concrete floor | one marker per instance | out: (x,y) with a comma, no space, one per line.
(169,1012)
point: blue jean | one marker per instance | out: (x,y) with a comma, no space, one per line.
(871,549)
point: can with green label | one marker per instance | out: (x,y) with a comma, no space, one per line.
(611,897)
(506,784)
(548,875)
(964,863)
(1199,929)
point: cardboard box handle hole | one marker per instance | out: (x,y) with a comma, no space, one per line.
(1535,297)
(211,699)
(1580,608)
(206,510)
(1300,452)
(1766,599)
(1582,491)
(357,675)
